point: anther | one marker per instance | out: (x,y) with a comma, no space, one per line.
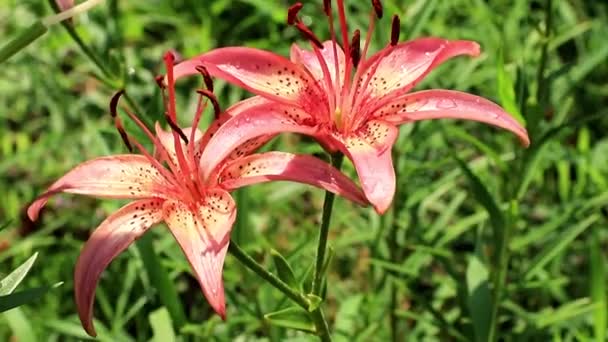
(378,8)
(206,77)
(307,33)
(114,102)
(395,30)
(160,81)
(176,128)
(216,105)
(355,48)
(327,7)
(292,13)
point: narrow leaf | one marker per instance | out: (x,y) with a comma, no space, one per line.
(20,325)
(161,324)
(23,297)
(284,271)
(10,282)
(506,90)
(293,318)
(483,196)
(598,288)
(479,298)
(559,244)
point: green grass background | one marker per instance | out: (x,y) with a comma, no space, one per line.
(427,270)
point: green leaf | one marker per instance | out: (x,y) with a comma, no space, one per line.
(161,324)
(5,224)
(563,313)
(506,90)
(10,282)
(347,315)
(20,325)
(22,40)
(483,196)
(598,287)
(160,278)
(293,318)
(23,297)
(558,244)
(284,271)
(313,302)
(479,298)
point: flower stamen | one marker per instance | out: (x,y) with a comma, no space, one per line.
(395,30)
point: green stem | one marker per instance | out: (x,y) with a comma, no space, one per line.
(321,325)
(336,161)
(109,78)
(317,314)
(253,265)
(22,40)
(161,281)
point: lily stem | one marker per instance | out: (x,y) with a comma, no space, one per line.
(317,314)
(273,280)
(336,161)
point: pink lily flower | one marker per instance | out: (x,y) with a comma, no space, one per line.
(167,186)
(347,101)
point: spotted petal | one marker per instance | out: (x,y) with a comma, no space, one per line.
(203,233)
(370,152)
(269,166)
(120,176)
(438,104)
(309,60)
(261,72)
(112,237)
(256,122)
(395,70)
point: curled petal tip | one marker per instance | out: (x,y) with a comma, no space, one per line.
(476,49)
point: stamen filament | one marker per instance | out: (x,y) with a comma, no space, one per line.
(169,59)
(335,52)
(164,154)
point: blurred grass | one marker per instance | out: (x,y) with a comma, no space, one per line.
(412,270)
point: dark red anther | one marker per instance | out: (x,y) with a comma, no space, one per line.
(292,13)
(307,33)
(378,8)
(395,30)
(176,128)
(206,77)
(355,48)
(160,81)
(114,102)
(216,105)
(327,7)
(123,133)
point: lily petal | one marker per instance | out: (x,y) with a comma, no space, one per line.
(311,62)
(120,176)
(203,234)
(240,107)
(269,166)
(438,104)
(256,122)
(112,237)
(400,67)
(261,72)
(370,152)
